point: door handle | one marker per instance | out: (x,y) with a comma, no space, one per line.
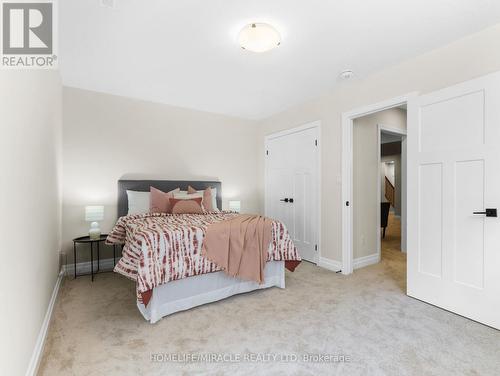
(490,212)
(284,199)
(291,200)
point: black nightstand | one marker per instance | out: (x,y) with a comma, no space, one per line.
(87,240)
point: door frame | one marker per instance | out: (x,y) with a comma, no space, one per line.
(392,130)
(315,124)
(347,168)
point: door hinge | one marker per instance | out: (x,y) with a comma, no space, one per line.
(267,152)
(347,203)
(315,247)
(316,142)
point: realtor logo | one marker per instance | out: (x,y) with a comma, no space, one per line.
(27,35)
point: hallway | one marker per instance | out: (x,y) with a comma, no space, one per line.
(391,256)
(392,240)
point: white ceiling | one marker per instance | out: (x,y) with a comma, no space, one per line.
(184,52)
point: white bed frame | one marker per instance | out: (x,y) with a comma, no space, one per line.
(194,291)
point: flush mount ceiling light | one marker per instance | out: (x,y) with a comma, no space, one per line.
(259,37)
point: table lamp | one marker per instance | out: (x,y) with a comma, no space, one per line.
(94,214)
(235,206)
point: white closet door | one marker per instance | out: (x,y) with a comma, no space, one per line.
(292,184)
(453,172)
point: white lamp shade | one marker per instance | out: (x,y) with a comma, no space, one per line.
(94,213)
(259,37)
(235,206)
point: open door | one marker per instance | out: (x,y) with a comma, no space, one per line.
(453,191)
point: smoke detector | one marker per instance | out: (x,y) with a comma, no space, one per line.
(346,74)
(108,3)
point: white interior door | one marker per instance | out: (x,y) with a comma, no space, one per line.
(292,186)
(453,171)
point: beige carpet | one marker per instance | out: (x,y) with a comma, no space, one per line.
(97,329)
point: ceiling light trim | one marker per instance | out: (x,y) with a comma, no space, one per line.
(259,37)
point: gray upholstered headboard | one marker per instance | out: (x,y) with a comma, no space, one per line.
(163,185)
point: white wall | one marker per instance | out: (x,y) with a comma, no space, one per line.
(107,137)
(30,123)
(390,172)
(393,169)
(365,201)
(464,59)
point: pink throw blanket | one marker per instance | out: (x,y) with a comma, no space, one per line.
(239,246)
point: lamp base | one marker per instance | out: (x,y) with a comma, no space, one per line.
(94,231)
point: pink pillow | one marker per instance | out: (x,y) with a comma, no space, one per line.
(159,200)
(207,197)
(190,206)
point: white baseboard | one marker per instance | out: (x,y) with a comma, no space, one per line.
(36,357)
(332,265)
(361,262)
(84,267)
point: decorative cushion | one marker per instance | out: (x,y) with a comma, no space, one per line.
(159,200)
(189,206)
(207,197)
(186,195)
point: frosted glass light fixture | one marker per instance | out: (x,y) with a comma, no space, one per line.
(235,206)
(259,37)
(94,214)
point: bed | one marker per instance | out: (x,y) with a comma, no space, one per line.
(162,254)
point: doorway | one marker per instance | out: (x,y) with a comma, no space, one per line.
(392,190)
(292,182)
(369,132)
(362,200)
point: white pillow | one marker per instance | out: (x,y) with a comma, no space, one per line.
(184,195)
(138,202)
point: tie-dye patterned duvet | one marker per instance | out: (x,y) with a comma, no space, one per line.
(159,248)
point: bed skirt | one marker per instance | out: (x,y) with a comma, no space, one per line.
(190,292)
